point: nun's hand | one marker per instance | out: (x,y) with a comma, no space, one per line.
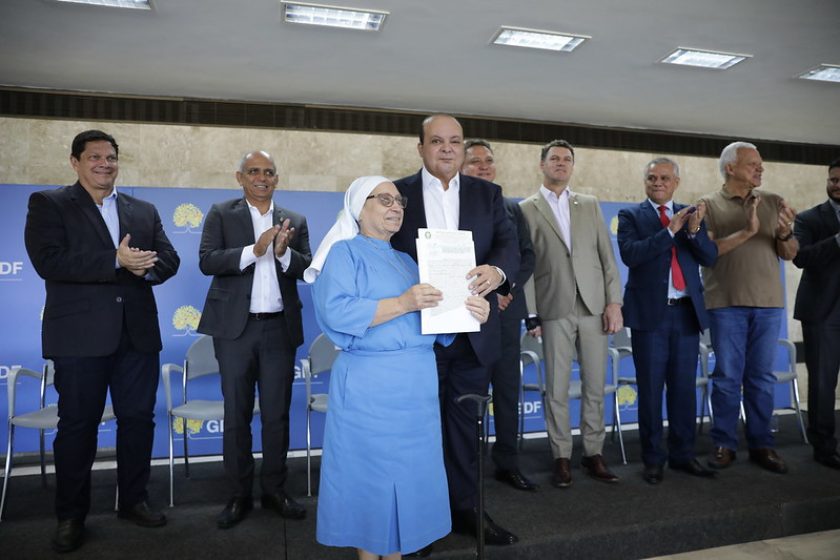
(420,296)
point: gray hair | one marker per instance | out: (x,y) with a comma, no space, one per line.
(249,154)
(730,155)
(663,161)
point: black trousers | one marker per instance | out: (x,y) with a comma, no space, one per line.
(506,379)
(82,385)
(262,357)
(822,357)
(460,373)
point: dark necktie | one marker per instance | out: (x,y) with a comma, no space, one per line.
(676,271)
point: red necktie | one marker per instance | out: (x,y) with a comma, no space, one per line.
(676,271)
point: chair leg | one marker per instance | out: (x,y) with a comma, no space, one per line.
(520,436)
(308,453)
(795,387)
(8,470)
(186,452)
(43,459)
(171,464)
(617,423)
(703,398)
(117,497)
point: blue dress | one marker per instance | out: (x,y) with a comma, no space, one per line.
(383,484)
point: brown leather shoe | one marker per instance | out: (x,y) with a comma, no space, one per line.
(722,458)
(562,475)
(597,468)
(768,459)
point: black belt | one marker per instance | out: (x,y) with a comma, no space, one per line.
(679,301)
(265,316)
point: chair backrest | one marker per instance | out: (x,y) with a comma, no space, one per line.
(322,354)
(531,344)
(621,339)
(201,358)
(11,387)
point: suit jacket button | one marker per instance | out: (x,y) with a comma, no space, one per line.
(119,299)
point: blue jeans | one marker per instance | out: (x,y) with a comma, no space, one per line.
(744,340)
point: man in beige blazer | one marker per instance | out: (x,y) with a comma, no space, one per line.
(574,302)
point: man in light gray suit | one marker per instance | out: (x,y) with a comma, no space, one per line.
(574,302)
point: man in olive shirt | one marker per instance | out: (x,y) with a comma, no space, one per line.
(745,300)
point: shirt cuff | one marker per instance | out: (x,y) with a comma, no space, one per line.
(285,260)
(247,258)
(502,274)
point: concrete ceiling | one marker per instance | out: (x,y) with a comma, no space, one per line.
(434,55)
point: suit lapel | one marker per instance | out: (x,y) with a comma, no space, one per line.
(125,211)
(416,204)
(548,215)
(243,214)
(465,217)
(88,208)
(829,217)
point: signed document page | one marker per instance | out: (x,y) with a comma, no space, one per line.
(444,258)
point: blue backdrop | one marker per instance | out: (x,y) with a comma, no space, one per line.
(180,301)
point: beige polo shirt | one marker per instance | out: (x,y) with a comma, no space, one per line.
(748,276)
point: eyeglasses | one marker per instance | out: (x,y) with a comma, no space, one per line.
(388,200)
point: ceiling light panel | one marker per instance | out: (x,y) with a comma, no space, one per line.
(333,16)
(823,73)
(537,39)
(704,59)
(127,4)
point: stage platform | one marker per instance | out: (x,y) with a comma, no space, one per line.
(590,520)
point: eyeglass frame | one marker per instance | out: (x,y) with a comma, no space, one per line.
(401,200)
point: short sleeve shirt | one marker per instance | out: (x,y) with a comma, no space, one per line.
(749,275)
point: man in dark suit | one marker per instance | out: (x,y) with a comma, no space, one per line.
(663,244)
(256,253)
(505,376)
(100,252)
(441,198)
(818,307)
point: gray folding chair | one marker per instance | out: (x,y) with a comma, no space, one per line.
(322,354)
(43,418)
(530,352)
(199,362)
(704,380)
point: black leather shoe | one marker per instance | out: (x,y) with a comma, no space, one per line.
(831,460)
(722,458)
(516,479)
(464,522)
(768,459)
(693,468)
(234,512)
(424,552)
(653,474)
(284,505)
(597,468)
(143,515)
(69,535)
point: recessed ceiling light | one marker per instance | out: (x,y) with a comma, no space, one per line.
(333,16)
(704,59)
(127,4)
(537,39)
(823,73)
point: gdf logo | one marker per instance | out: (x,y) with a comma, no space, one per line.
(10,268)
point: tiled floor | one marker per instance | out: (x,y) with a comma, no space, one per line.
(812,546)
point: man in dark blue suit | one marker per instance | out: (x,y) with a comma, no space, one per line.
(663,244)
(442,198)
(505,376)
(818,307)
(100,252)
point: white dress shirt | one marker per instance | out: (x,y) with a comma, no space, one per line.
(442,207)
(560,207)
(265,292)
